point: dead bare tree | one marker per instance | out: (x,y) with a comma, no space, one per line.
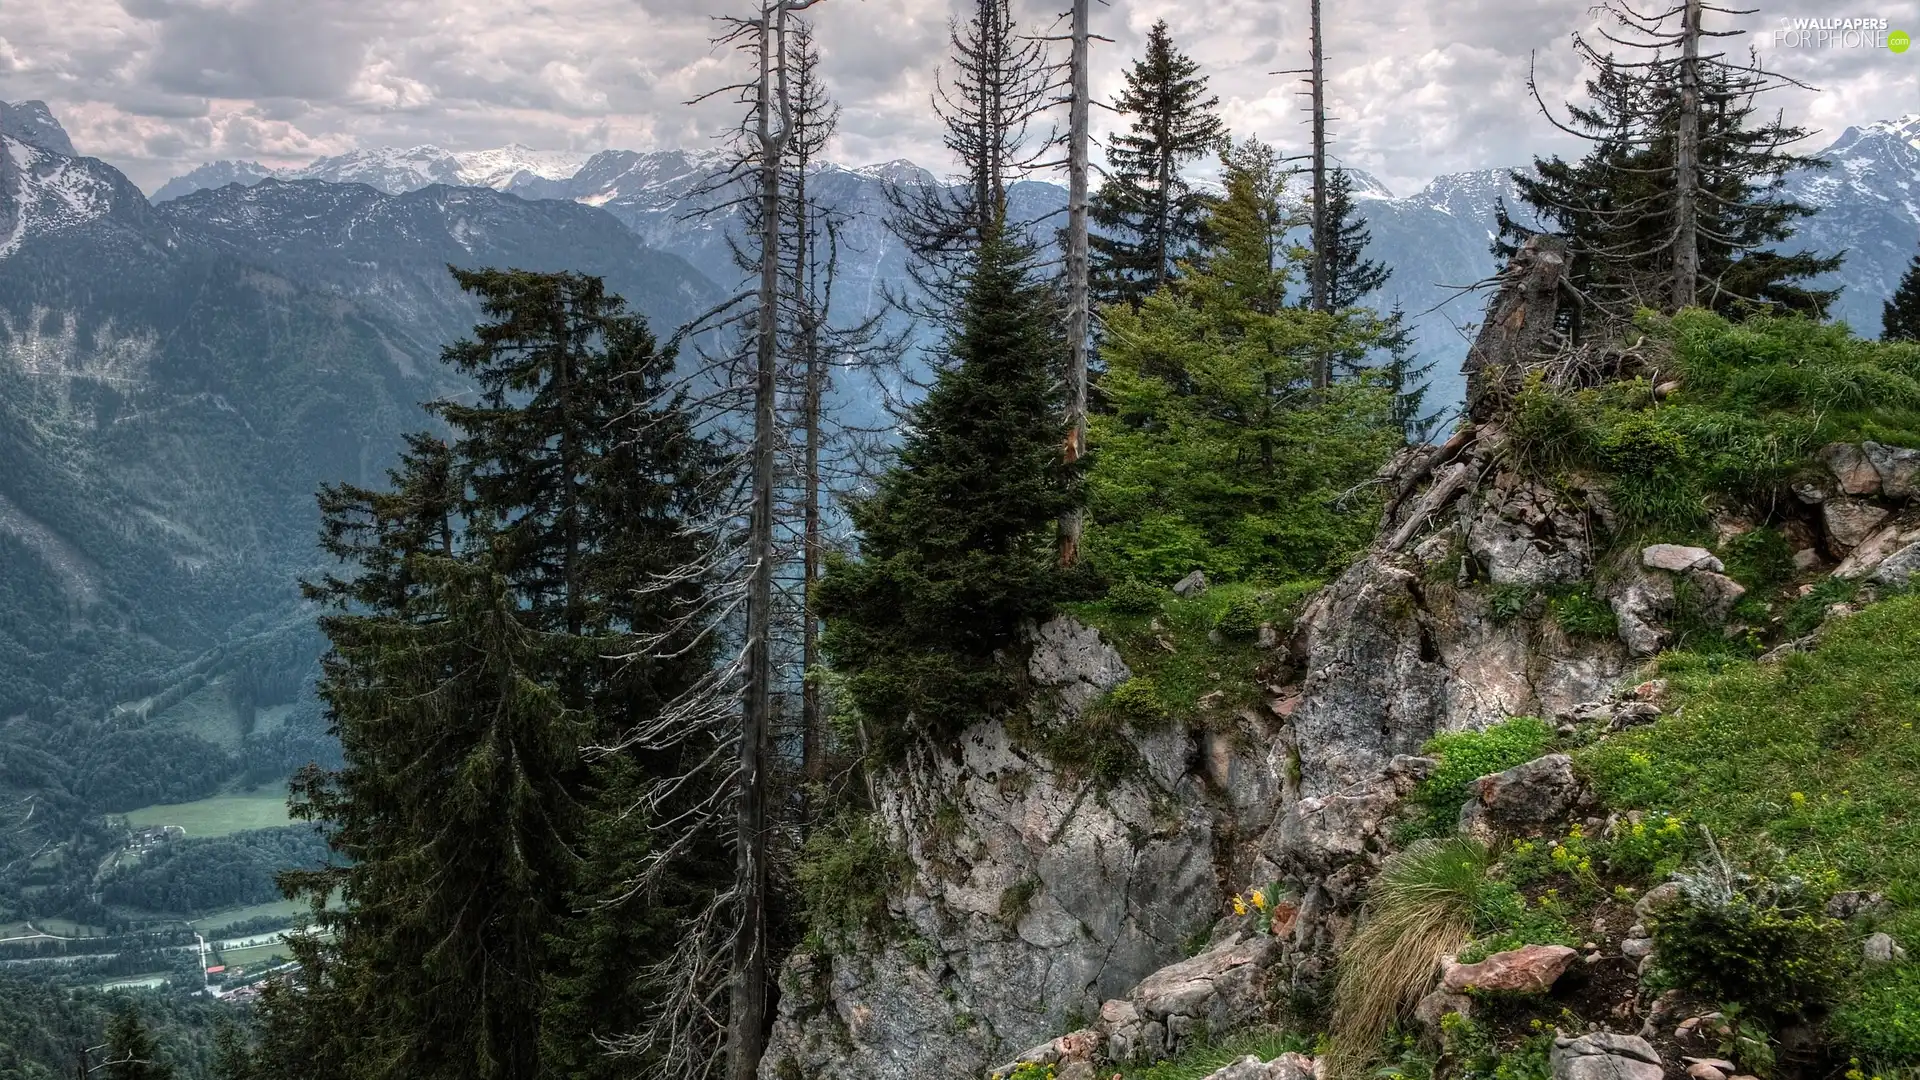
(999,82)
(1079,297)
(1676,190)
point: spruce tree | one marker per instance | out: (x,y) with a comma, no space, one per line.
(1351,276)
(1145,213)
(1217,450)
(1900,315)
(485,634)
(1679,174)
(956,543)
(132,1051)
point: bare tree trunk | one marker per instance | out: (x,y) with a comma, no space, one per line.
(747,1007)
(813,765)
(1686,164)
(1323,362)
(1078,301)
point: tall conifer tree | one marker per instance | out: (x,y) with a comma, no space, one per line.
(477,646)
(1351,276)
(1145,212)
(132,1051)
(1900,315)
(956,545)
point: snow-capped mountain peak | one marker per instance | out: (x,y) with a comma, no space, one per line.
(44,192)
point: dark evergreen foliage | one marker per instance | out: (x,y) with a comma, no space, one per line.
(1145,215)
(132,1051)
(1351,276)
(1900,315)
(956,544)
(1614,208)
(477,646)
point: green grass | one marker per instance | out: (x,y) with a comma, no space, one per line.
(221,815)
(258,954)
(1809,768)
(1199,1062)
(219,919)
(1197,665)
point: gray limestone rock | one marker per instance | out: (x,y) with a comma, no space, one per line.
(1897,467)
(1539,792)
(1850,521)
(1898,568)
(1852,468)
(1677,558)
(1192,585)
(1602,1055)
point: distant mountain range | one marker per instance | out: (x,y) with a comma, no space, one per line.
(1436,239)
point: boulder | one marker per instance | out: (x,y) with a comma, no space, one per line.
(1604,1055)
(1437,1005)
(1656,898)
(1191,586)
(1538,792)
(1633,714)
(1855,902)
(1851,469)
(1897,569)
(1638,609)
(1636,948)
(1849,522)
(1882,949)
(1530,969)
(1701,1070)
(1679,558)
(1716,594)
(1897,466)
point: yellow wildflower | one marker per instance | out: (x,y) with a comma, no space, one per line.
(1239,906)
(1799,800)
(1259,900)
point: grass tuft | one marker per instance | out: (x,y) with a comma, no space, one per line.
(1420,907)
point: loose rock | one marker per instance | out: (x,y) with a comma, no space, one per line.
(1539,792)
(1882,949)
(1531,969)
(1850,521)
(1897,466)
(1679,558)
(1604,1055)
(1191,586)
(1851,469)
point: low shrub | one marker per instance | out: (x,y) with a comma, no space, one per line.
(846,869)
(1578,612)
(1764,945)
(1880,1021)
(1240,618)
(1135,597)
(1138,701)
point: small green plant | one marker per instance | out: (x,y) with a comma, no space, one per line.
(1764,945)
(1649,848)
(1135,597)
(1809,611)
(1578,612)
(1138,702)
(1506,603)
(1033,1070)
(846,869)
(1420,906)
(1240,619)
(1758,558)
(1746,1042)
(1017,899)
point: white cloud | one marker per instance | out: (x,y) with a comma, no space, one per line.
(1419,88)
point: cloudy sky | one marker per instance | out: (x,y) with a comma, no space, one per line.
(1421,87)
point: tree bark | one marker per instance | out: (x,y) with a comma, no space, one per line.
(1317,274)
(1078,300)
(747,1006)
(1519,321)
(1686,164)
